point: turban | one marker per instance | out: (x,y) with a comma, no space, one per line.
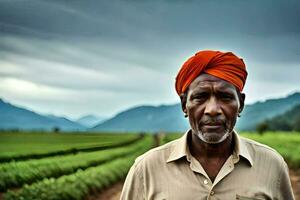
(226,66)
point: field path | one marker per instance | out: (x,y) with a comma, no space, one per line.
(113,193)
(295,178)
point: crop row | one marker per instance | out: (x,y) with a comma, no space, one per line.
(22,146)
(78,185)
(15,174)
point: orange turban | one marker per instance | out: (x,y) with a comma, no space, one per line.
(226,66)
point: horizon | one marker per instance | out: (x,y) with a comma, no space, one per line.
(105,117)
(80,58)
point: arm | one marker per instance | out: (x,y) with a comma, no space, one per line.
(285,191)
(133,188)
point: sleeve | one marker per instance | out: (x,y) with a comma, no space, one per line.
(133,188)
(285,191)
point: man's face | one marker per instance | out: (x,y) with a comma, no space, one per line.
(212,106)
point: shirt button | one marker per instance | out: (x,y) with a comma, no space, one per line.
(212,193)
(205,182)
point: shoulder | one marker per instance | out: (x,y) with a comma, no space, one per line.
(263,154)
(157,153)
(155,157)
(259,148)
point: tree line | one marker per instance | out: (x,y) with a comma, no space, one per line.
(288,121)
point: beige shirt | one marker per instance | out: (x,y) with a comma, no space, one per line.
(253,171)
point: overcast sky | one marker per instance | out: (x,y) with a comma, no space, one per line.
(73,58)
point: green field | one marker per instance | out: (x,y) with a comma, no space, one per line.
(83,163)
(99,161)
(15,146)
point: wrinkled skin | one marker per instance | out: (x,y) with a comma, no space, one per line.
(212,106)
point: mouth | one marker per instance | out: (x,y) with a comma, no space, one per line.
(212,126)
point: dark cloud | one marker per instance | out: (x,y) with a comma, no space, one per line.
(112,45)
(94,18)
(268,28)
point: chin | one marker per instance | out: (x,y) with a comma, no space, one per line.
(212,138)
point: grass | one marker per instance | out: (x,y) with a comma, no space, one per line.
(76,184)
(15,174)
(86,172)
(25,144)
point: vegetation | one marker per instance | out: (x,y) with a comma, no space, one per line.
(83,181)
(75,176)
(256,113)
(27,145)
(15,174)
(289,121)
(261,128)
(77,185)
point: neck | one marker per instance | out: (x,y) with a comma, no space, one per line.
(200,149)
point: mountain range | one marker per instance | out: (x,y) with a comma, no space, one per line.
(167,118)
(260,111)
(146,118)
(288,121)
(90,120)
(14,117)
(170,118)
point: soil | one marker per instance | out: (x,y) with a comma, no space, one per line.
(111,193)
(295,179)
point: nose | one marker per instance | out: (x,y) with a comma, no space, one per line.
(212,108)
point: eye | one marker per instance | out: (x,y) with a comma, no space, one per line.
(200,96)
(226,97)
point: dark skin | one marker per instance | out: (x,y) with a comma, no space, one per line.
(212,106)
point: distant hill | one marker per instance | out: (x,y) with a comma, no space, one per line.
(90,120)
(167,118)
(146,118)
(288,121)
(260,111)
(14,117)
(170,117)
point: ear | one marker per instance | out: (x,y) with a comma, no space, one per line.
(242,97)
(183,98)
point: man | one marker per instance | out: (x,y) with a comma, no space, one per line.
(210,161)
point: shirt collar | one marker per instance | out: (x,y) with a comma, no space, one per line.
(240,149)
(180,149)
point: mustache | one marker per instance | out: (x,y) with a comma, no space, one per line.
(212,121)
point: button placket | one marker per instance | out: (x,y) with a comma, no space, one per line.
(226,169)
(210,194)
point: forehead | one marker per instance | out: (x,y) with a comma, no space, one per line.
(207,81)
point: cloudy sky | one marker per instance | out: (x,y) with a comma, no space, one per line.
(73,58)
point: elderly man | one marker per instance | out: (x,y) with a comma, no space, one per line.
(210,161)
